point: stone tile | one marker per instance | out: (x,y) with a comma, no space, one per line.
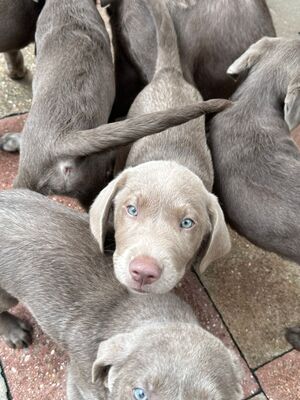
(280,378)
(35,373)
(3,387)
(191,290)
(260,396)
(12,124)
(255,292)
(16,95)
(286,16)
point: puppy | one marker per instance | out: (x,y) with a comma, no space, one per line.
(73,89)
(257,164)
(164,214)
(120,345)
(17,27)
(211,35)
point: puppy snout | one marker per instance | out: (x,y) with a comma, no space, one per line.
(144,270)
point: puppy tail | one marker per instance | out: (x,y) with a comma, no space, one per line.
(167,47)
(108,136)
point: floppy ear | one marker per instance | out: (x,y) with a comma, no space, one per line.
(292,106)
(219,242)
(250,57)
(110,352)
(99,210)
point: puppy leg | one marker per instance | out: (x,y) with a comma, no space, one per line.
(292,335)
(15,64)
(11,142)
(15,332)
(72,389)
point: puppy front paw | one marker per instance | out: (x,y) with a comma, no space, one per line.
(16,333)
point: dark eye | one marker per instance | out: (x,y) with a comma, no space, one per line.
(132,210)
(187,223)
(139,394)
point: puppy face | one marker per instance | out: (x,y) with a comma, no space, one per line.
(149,363)
(163,219)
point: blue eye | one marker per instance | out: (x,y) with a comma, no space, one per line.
(132,210)
(139,394)
(187,223)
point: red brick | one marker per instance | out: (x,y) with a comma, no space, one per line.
(280,378)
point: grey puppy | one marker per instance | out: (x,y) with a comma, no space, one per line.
(165,217)
(120,345)
(73,89)
(211,35)
(17,27)
(257,164)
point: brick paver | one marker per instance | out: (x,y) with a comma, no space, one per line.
(280,379)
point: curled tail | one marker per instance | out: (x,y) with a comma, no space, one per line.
(167,47)
(106,137)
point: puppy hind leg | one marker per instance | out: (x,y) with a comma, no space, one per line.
(15,332)
(15,64)
(72,389)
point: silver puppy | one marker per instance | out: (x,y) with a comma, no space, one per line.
(257,164)
(165,217)
(121,346)
(211,35)
(73,90)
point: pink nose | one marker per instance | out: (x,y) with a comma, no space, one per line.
(144,270)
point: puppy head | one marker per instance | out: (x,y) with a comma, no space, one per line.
(163,218)
(167,361)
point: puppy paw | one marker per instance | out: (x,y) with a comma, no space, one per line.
(17,73)
(292,335)
(16,333)
(10,142)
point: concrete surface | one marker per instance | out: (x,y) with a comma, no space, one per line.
(255,292)
(286,16)
(15,96)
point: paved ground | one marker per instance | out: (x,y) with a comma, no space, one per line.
(245,299)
